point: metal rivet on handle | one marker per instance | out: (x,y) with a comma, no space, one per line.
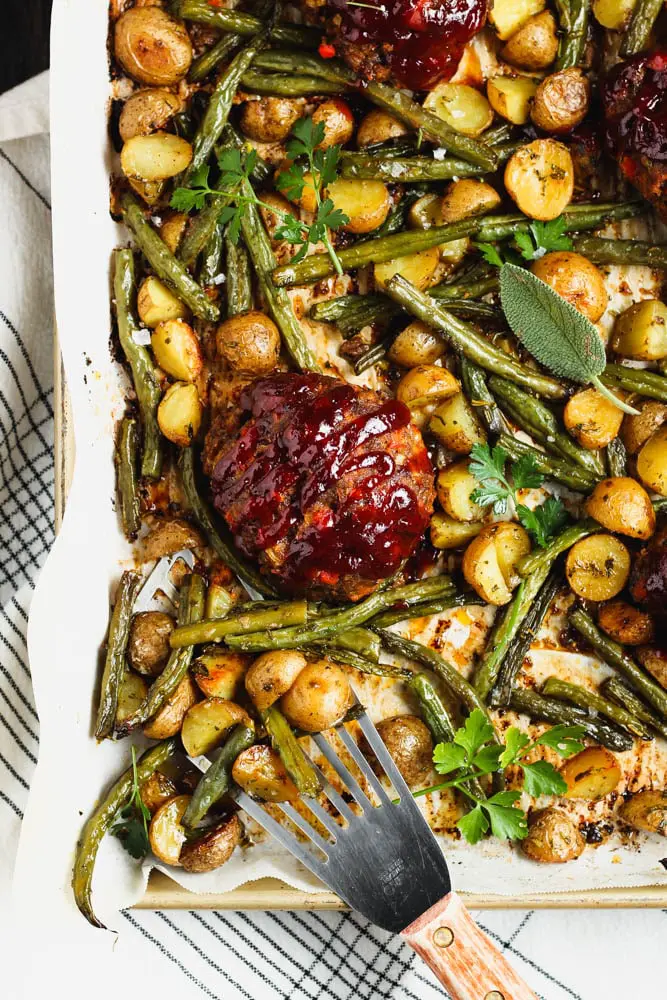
(443,937)
(494,995)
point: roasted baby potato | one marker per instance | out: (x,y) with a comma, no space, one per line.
(646,810)
(507,16)
(177,350)
(465,198)
(270,119)
(534,45)
(552,838)
(208,722)
(655,661)
(179,413)
(592,419)
(170,536)
(172,229)
(146,111)
(213,848)
(622,505)
(157,304)
(626,624)
(456,425)
(652,462)
(417,345)
(152,47)
(641,331)
(148,647)
(511,97)
(490,561)
(614,14)
(409,742)
(446,533)
(561,101)
(219,672)
(636,429)
(338,121)
(166,833)
(260,772)
(168,720)
(319,697)
(455,485)
(379,126)
(417,268)
(591,774)
(249,343)
(425,386)
(461,106)
(131,692)
(272,675)
(598,567)
(157,790)
(155,157)
(539,177)
(575,279)
(365,203)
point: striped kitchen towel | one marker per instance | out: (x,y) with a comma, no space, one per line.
(223,956)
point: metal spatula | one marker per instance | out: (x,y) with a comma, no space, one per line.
(384,862)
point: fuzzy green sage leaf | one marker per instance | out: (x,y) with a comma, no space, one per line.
(556,334)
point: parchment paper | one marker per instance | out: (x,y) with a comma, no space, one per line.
(71,606)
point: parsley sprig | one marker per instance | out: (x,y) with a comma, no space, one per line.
(131,826)
(234,186)
(474,753)
(543,237)
(498,488)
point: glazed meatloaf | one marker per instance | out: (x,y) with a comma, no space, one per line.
(326,484)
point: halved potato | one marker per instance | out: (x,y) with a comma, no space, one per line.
(177,350)
(652,462)
(366,203)
(511,97)
(270,119)
(147,110)
(539,177)
(213,848)
(219,672)
(157,304)
(636,429)
(590,774)
(148,647)
(592,419)
(179,414)
(378,126)
(461,106)
(614,14)
(319,697)
(490,561)
(131,692)
(622,505)
(173,226)
(647,810)
(169,719)
(148,191)
(272,675)
(466,198)
(152,47)
(417,268)
(260,772)
(507,16)
(336,116)
(425,386)
(446,533)
(553,838)
(207,723)
(626,624)
(534,45)
(156,790)
(641,331)
(598,567)
(417,345)
(455,485)
(166,833)
(170,536)
(456,426)
(155,157)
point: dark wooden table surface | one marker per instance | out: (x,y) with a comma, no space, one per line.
(24,40)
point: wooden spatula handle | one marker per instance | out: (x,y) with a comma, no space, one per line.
(465,961)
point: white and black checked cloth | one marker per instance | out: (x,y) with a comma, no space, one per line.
(566,955)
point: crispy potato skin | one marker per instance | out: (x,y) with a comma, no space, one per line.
(466,198)
(378,126)
(207,723)
(319,697)
(647,810)
(168,721)
(637,429)
(270,119)
(148,647)
(170,536)
(409,742)
(157,790)
(552,838)
(489,562)
(622,505)
(219,672)
(213,849)
(416,345)
(146,111)
(152,47)
(260,772)
(591,774)
(456,425)
(655,661)
(561,101)
(575,279)
(626,624)
(249,343)
(534,45)
(272,675)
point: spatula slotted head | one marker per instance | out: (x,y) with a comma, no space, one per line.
(382,860)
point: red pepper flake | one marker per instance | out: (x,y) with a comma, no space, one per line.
(326,50)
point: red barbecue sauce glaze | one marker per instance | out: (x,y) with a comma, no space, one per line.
(634,96)
(427,37)
(297,444)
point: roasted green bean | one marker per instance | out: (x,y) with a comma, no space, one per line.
(614,689)
(573,39)
(606,251)
(238,284)
(415,169)
(244,24)
(215,782)
(589,701)
(114,662)
(208,60)
(617,458)
(558,712)
(561,543)
(557,469)
(126,458)
(297,765)
(644,383)
(637,36)
(286,85)
(272,616)
(477,390)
